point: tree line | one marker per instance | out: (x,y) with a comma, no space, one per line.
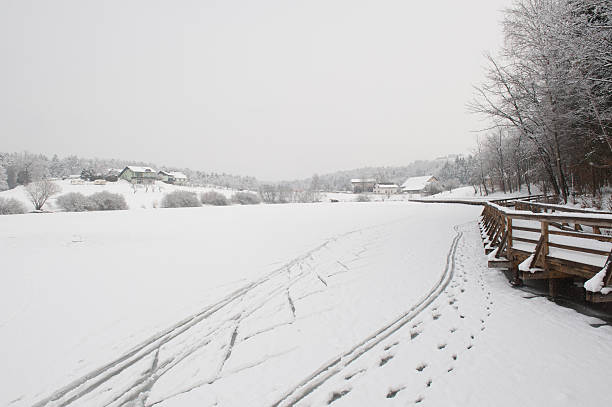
(24,167)
(548,97)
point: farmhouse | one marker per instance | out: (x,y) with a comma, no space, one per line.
(418,185)
(138,175)
(386,188)
(172,177)
(363,185)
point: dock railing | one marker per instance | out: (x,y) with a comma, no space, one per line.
(534,244)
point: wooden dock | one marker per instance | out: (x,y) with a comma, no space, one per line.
(537,240)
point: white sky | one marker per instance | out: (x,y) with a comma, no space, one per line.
(277,89)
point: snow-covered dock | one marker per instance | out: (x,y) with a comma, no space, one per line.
(566,243)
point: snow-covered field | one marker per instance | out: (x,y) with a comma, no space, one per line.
(457,193)
(355,304)
(136,196)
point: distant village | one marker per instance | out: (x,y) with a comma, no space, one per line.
(133,174)
(412,186)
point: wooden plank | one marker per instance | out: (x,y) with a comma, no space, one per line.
(570,267)
(524,239)
(578,249)
(500,264)
(526,229)
(562,217)
(583,235)
(598,297)
(543,275)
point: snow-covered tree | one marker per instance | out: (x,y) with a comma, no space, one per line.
(40,191)
(3,179)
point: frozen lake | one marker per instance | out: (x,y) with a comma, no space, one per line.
(355,304)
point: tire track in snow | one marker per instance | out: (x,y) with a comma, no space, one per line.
(335,366)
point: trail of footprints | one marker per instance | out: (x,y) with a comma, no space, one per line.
(451,324)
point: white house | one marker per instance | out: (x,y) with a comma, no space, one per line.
(418,185)
(172,177)
(363,185)
(386,188)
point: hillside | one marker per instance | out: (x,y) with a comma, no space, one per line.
(136,196)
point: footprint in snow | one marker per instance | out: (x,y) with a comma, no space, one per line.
(391,345)
(337,395)
(393,392)
(385,359)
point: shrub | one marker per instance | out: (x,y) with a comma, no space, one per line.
(245,198)
(213,198)
(11,206)
(433,188)
(180,199)
(107,201)
(362,198)
(40,191)
(75,202)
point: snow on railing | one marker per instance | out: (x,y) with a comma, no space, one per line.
(551,245)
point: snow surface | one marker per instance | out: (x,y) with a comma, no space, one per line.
(136,196)
(243,305)
(416,183)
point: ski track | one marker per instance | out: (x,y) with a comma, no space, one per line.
(167,349)
(326,372)
(264,290)
(445,327)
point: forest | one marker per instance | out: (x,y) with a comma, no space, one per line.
(547,100)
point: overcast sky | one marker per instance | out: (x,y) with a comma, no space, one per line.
(275,89)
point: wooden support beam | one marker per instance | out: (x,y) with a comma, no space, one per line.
(500,264)
(509,240)
(553,288)
(543,275)
(502,245)
(598,297)
(536,253)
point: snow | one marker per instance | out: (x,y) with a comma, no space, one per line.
(241,306)
(136,196)
(416,183)
(468,193)
(135,168)
(596,283)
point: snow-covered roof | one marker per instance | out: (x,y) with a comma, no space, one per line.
(178,175)
(135,168)
(387,186)
(174,174)
(356,180)
(417,183)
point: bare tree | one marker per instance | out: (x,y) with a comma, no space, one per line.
(40,191)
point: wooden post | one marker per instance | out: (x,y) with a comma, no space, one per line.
(509,241)
(596,230)
(544,234)
(553,288)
